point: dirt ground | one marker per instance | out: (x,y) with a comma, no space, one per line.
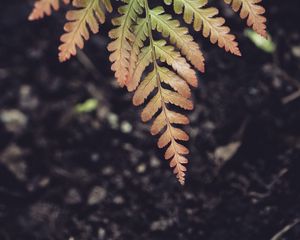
(91,176)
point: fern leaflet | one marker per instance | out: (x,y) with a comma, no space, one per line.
(178,36)
(89,12)
(123,36)
(43,7)
(205,19)
(253,12)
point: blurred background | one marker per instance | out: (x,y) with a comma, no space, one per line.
(76,163)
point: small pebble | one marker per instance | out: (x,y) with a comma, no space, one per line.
(154,162)
(126,127)
(101,233)
(97,195)
(141,168)
(118,200)
(296,51)
(113,120)
(27,99)
(14,120)
(73,197)
(160,225)
(107,171)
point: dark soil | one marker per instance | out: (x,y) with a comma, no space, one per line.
(99,175)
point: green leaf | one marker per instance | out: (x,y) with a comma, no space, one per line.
(88,106)
(264,44)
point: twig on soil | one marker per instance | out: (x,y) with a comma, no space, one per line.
(269,187)
(294,82)
(285,76)
(224,153)
(288,227)
(290,79)
(88,64)
(291,97)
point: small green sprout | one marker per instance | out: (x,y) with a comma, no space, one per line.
(88,106)
(262,43)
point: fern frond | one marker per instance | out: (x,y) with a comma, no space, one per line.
(253,12)
(205,19)
(44,7)
(122,37)
(166,85)
(89,13)
(161,70)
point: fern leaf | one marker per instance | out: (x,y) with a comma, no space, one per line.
(175,82)
(146,87)
(44,7)
(88,13)
(168,54)
(144,59)
(177,99)
(205,19)
(122,36)
(141,34)
(253,12)
(167,76)
(178,36)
